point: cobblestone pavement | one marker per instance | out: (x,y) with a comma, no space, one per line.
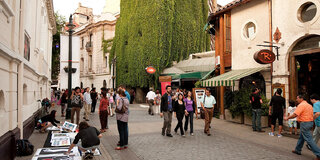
(228,141)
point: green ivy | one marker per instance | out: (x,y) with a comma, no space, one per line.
(156,32)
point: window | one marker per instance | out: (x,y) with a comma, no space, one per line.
(249,31)
(1,100)
(90,37)
(90,62)
(307,12)
(26,47)
(81,65)
(82,43)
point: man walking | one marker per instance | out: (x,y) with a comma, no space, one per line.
(87,104)
(277,109)
(315,100)
(166,111)
(208,107)
(150,100)
(256,101)
(304,112)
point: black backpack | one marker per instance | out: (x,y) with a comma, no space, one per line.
(24,147)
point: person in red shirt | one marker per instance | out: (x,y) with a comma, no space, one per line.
(304,112)
(104,112)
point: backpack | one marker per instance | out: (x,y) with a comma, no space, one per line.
(123,108)
(24,147)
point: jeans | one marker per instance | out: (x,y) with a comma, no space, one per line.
(123,133)
(305,135)
(151,102)
(93,106)
(256,117)
(190,115)
(179,125)
(316,134)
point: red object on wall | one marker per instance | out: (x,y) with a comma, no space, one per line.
(264,56)
(150,70)
(163,87)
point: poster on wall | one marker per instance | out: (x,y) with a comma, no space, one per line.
(198,96)
(163,87)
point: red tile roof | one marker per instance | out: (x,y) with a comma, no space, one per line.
(231,5)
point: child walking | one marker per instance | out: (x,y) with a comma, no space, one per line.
(292,122)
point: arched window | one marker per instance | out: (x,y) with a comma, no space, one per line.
(104,84)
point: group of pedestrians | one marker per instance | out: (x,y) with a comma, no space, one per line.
(184,106)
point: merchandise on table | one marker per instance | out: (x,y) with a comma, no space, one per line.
(69,126)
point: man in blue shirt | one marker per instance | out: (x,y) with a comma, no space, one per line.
(166,109)
(315,99)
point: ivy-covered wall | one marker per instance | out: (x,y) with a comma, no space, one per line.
(156,32)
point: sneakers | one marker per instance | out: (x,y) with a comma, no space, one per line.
(279,135)
(192,134)
(308,147)
(88,155)
(184,136)
(271,134)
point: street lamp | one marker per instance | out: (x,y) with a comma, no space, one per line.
(113,76)
(70,31)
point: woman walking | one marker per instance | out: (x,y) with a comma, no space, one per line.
(158,99)
(122,120)
(112,105)
(190,109)
(63,102)
(104,112)
(180,111)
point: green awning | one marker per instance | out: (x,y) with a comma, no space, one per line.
(229,78)
(191,75)
(208,74)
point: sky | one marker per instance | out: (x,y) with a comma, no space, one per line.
(67,7)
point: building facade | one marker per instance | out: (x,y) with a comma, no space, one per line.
(289,29)
(95,70)
(25,67)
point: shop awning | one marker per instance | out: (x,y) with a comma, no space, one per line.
(191,75)
(229,78)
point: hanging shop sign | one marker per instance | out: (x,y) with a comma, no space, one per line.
(150,70)
(264,56)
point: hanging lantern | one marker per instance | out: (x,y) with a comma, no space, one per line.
(150,70)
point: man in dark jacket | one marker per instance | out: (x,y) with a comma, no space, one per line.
(166,109)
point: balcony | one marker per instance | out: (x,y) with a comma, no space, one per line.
(89,47)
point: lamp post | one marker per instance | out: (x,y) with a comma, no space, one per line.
(70,31)
(113,76)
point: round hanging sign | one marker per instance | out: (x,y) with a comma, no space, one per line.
(264,56)
(150,70)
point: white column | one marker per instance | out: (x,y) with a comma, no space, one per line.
(20,98)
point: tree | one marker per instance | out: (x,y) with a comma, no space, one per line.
(156,32)
(60,22)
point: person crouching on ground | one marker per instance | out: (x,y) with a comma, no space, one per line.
(122,120)
(292,123)
(304,114)
(104,112)
(89,137)
(180,111)
(47,121)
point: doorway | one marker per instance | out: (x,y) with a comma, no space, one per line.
(304,67)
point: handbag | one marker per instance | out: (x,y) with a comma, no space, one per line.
(59,102)
(123,108)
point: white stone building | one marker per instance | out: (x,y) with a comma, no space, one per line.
(26,33)
(95,70)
